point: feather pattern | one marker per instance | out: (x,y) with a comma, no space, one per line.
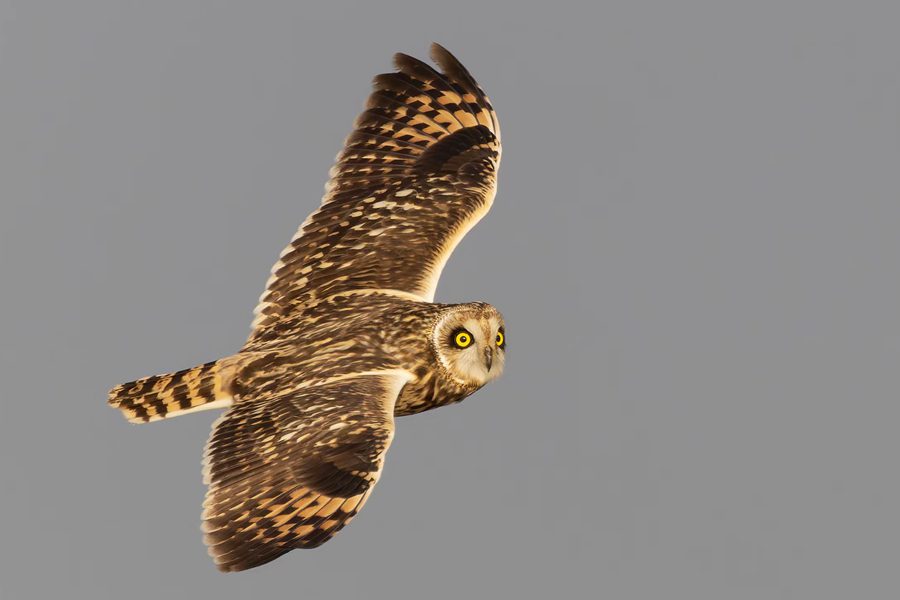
(417,172)
(291,471)
(162,396)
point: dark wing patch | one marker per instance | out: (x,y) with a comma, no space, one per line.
(291,471)
(418,171)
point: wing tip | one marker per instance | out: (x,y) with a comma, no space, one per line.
(454,69)
(403,61)
(444,58)
(438,53)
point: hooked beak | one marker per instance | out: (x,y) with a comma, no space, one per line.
(488,358)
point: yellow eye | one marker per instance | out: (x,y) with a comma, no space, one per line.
(501,339)
(462,339)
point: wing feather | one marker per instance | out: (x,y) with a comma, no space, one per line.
(291,470)
(418,171)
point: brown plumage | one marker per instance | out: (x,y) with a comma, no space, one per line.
(347,335)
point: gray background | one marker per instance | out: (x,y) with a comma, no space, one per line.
(695,246)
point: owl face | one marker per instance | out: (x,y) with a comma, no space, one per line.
(470,343)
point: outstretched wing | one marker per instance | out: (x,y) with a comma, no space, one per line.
(290,471)
(416,174)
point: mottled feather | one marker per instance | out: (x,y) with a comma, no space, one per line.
(291,471)
(418,171)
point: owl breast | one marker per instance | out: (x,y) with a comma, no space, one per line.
(431,390)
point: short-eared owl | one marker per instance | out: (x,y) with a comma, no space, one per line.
(347,335)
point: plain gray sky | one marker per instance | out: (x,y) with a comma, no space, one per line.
(695,245)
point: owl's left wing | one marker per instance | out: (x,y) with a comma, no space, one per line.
(292,469)
(416,174)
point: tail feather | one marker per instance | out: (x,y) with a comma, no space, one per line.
(161,396)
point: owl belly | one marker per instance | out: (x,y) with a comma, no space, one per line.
(429,391)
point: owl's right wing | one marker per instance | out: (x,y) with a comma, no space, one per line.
(416,174)
(289,471)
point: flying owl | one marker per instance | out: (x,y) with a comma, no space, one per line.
(347,335)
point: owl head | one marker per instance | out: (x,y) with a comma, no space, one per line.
(470,342)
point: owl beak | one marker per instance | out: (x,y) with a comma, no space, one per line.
(488,358)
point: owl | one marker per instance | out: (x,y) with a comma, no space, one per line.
(347,335)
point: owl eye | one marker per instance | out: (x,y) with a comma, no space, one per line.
(462,339)
(501,339)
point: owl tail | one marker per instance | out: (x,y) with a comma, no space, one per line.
(162,396)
